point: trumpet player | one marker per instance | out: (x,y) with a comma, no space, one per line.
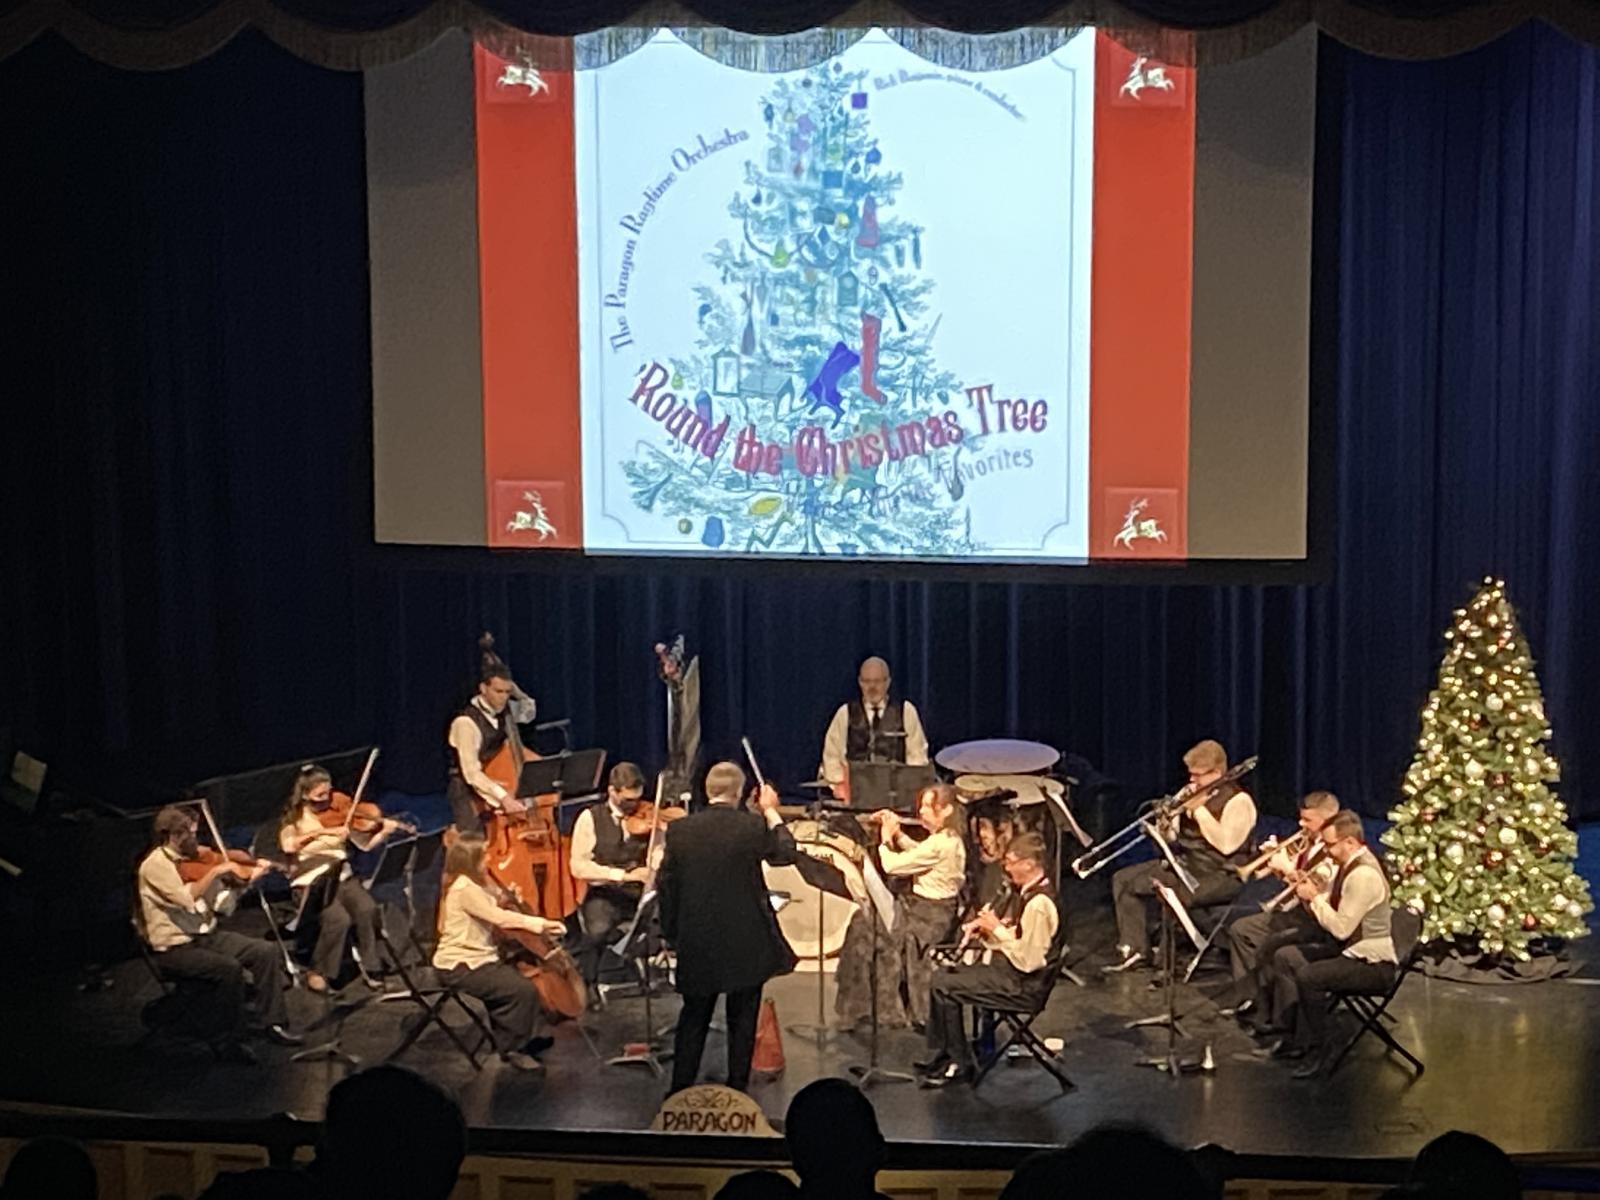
(1212,838)
(1253,939)
(1357,954)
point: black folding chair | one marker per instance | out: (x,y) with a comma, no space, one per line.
(1371,1008)
(431,1000)
(185,1008)
(1017,1020)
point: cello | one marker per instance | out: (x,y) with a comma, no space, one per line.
(525,855)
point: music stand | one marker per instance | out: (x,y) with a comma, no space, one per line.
(1172,912)
(571,777)
(641,946)
(875,785)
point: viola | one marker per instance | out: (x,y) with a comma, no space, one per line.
(192,870)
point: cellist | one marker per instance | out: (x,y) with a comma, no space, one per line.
(468,949)
(319,861)
(476,735)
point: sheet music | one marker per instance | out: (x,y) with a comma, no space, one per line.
(1182,913)
(878,892)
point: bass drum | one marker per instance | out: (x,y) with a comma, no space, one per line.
(812,913)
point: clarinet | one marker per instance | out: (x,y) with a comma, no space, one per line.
(969,932)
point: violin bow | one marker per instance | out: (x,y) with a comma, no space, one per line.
(656,828)
(361,786)
(289,964)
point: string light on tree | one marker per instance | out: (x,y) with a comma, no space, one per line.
(1480,844)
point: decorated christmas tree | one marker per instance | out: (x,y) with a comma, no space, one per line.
(1480,844)
(815,344)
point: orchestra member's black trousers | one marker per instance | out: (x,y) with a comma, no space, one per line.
(463,805)
(995,984)
(1255,937)
(1133,894)
(221,959)
(348,907)
(1304,977)
(511,999)
(603,912)
(689,1043)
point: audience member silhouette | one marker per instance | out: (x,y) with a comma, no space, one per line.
(1112,1160)
(834,1141)
(389,1132)
(52,1167)
(1468,1166)
(757,1185)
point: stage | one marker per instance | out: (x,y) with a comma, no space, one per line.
(1513,1062)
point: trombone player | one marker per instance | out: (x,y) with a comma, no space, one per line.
(1211,840)
(1283,921)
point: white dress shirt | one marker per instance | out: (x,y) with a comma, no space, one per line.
(581,859)
(1230,831)
(837,738)
(467,741)
(467,932)
(1028,946)
(937,864)
(1363,906)
(170,913)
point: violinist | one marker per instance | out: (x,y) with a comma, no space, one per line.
(476,735)
(470,921)
(178,921)
(608,847)
(314,833)
(925,916)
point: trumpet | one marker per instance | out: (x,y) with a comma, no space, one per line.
(1292,846)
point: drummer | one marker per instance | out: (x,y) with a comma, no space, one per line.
(872,728)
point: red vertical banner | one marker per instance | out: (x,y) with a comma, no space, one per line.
(528,281)
(1141,293)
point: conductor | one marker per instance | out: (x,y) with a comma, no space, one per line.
(715,914)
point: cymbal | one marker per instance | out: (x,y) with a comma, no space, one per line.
(997,756)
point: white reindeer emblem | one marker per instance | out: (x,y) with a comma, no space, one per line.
(536,520)
(522,75)
(1142,76)
(1133,528)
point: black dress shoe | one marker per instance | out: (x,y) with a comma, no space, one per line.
(950,1073)
(235,1052)
(928,1065)
(1312,1067)
(280,1035)
(538,1045)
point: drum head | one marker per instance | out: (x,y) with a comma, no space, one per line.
(810,912)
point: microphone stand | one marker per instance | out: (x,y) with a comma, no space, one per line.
(821,1030)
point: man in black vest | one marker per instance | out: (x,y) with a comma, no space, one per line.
(476,735)
(1018,944)
(1212,840)
(610,861)
(715,914)
(873,728)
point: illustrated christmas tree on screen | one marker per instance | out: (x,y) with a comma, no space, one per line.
(815,340)
(1480,844)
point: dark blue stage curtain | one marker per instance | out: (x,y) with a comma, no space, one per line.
(186,507)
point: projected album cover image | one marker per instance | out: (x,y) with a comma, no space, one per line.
(840,311)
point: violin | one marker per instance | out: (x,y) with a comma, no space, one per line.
(359,816)
(642,820)
(192,870)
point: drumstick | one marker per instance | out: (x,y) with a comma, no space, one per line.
(754,765)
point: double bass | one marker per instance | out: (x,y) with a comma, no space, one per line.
(525,855)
